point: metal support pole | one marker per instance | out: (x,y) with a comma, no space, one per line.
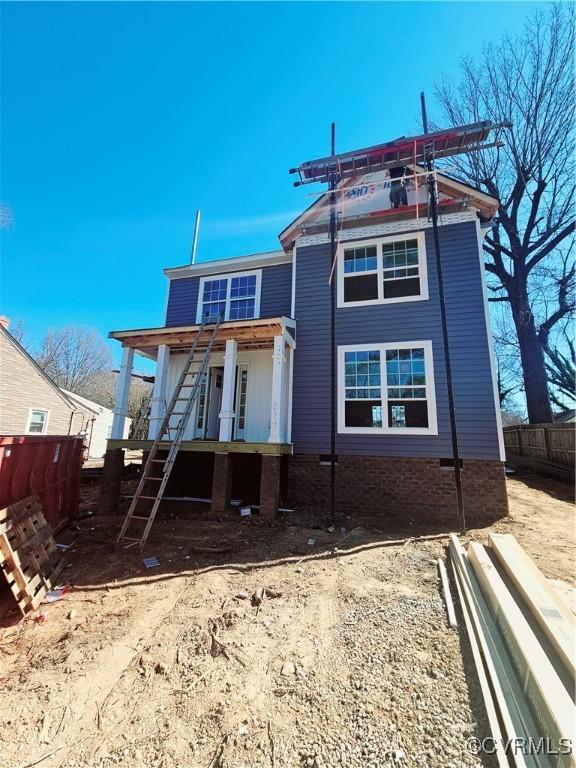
(333,411)
(433,207)
(195,238)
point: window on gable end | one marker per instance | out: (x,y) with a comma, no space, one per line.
(361,273)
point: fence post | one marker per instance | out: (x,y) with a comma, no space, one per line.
(547,444)
(519,433)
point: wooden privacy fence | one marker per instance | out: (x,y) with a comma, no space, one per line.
(548,442)
(44,466)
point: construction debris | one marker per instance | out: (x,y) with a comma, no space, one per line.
(446,592)
(29,557)
(518,671)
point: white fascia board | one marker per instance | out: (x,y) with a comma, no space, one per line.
(239,263)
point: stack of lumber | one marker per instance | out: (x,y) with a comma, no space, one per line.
(29,557)
(523,641)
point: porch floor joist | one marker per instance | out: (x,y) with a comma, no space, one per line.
(250,334)
(209,446)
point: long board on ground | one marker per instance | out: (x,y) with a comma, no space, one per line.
(547,697)
(550,611)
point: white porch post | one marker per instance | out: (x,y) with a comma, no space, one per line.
(277,391)
(157,404)
(122,393)
(227,407)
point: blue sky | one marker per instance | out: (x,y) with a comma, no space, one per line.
(119,120)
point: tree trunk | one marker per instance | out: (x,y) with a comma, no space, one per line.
(533,364)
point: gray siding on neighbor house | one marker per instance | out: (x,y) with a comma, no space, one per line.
(410,321)
(275,295)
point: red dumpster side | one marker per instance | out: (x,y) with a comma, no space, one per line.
(47,466)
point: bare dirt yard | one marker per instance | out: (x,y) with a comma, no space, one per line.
(284,646)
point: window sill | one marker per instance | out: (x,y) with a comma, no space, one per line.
(377,431)
(373,302)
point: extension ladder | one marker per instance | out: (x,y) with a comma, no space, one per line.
(157,470)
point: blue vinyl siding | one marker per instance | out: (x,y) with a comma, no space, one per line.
(275,295)
(410,321)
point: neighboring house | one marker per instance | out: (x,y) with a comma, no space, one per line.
(565,417)
(265,408)
(101,424)
(32,404)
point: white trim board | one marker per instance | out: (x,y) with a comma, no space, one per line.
(491,353)
(225,266)
(386,228)
(431,429)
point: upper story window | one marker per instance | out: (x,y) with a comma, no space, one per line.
(37,422)
(387,270)
(386,388)
(232,297)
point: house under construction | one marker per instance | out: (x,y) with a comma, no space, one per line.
(243,404)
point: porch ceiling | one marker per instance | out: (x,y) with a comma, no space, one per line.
(250,334)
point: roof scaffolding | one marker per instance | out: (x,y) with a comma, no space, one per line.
(399,153)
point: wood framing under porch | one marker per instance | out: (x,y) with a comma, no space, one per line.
(210,446)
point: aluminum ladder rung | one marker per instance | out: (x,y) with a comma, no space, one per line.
(144,497)
(138,517)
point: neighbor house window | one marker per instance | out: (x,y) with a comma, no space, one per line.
(387,270)
(387,388)
(37,422)
(230,297)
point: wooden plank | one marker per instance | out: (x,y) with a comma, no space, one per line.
(516,722)
(548,699)
(447,596)
(29,557)
(211,446)
(550,611)
(489,703)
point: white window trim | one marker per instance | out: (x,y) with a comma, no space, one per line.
(29,422)
(431,429)
(228,276)
(378,242)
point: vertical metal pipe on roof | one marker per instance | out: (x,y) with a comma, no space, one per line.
(195,238)
(433,208)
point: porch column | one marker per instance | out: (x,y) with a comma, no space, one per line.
(157,405)
(227,406)
(277,391)
(122,393)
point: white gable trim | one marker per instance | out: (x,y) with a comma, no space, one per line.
(387,228)
(226,266)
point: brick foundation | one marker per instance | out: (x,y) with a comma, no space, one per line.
(222,482)
(379,488)
(270,485)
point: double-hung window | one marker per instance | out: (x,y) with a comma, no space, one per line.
(387,388)
(230,297)
(387,270)
(37,422)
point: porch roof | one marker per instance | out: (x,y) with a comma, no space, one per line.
(250,334)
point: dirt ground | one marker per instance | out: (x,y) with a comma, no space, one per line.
(347,661)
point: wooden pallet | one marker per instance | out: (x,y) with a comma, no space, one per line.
(29,558)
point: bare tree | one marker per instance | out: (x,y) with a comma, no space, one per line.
(101,388)
(561,367)
(19,331)
(72,355)
(530,81)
